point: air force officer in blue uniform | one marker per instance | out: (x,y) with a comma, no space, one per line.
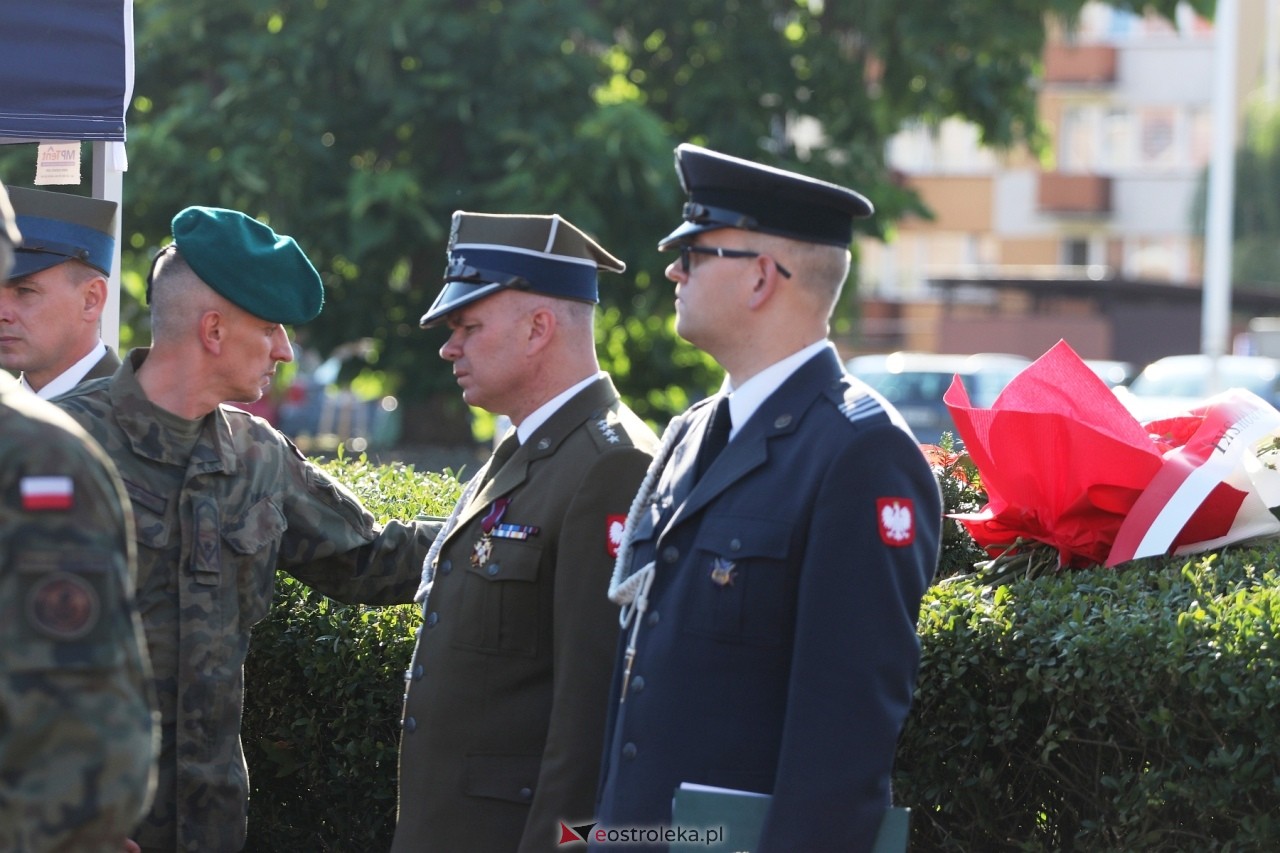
(769,593)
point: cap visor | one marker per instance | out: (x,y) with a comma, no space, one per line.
(30,263)
(455,295)
(685,231)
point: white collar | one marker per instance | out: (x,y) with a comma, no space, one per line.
(70,377)
(544,412)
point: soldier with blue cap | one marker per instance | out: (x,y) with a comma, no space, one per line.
(774,559)
(222,500)
(77,745)
(52,300)
(506,693)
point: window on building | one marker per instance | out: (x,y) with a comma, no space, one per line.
(1075,252)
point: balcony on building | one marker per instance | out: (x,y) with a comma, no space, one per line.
(1079,64)
(1073,194)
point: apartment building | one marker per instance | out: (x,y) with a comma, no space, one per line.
(1085,241)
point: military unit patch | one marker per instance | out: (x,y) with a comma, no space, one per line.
(63,606)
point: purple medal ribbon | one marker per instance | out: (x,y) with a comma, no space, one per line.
(494,515)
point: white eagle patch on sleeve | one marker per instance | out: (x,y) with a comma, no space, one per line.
(897,521)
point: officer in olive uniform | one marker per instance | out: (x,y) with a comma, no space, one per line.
(771,591)
(77,735)
(222,500)
(51,304)
(506,694)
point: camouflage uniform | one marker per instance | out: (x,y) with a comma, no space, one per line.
(217,513)
(77,736)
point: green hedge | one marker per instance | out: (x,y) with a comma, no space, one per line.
(323,688)
(1097,710)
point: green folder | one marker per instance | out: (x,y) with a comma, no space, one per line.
(700,814)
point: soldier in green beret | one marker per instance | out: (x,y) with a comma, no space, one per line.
(222,500)
(77,731)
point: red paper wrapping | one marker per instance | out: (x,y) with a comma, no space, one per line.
(1063,463)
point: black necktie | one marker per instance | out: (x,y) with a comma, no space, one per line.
(716,436)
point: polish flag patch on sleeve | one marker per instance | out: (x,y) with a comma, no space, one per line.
(614,525)
(46,493)
(897,521)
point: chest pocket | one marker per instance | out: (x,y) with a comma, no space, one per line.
(151,520)
(740,587)
(501,601)
(253,542)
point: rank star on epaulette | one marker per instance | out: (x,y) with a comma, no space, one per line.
(606,429)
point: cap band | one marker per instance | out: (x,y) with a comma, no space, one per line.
(66,240)
(555,275)
(701,214)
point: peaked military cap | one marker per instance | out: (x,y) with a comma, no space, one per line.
(729,192)
(491,252)
(265,273)
(9,236)
(59,227)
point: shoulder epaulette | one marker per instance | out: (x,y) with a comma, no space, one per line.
(860,405)
(606,427)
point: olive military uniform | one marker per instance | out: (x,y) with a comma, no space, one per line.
(506,698)
(77,735)
(506,694)
(220,505)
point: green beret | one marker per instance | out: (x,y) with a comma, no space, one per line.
(265,273)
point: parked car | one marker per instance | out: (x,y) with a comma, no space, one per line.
(1112,372)
(1176,383)
(319,411)
(915,382)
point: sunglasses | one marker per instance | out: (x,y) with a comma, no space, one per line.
(687,249)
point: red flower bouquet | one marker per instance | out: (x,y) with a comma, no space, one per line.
(1065,465)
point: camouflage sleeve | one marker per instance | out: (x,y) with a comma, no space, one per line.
(77,735)
(333,544)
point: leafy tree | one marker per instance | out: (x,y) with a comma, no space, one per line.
(359,127)
(1255,250)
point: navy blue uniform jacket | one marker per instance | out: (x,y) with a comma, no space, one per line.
(779,650)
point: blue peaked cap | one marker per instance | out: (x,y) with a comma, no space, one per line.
(58,227)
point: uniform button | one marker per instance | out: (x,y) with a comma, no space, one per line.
(410,725)
(493,569)
(526,793)
(628,750)
(670,553)
(432,618)
(544,443)
(652,619)
(446,566)
(637,684)
(735,544)
(782,421)
(418,672)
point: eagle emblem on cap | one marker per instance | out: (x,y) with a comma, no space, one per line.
(453,232)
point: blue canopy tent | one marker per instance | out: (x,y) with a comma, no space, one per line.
(66,74)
